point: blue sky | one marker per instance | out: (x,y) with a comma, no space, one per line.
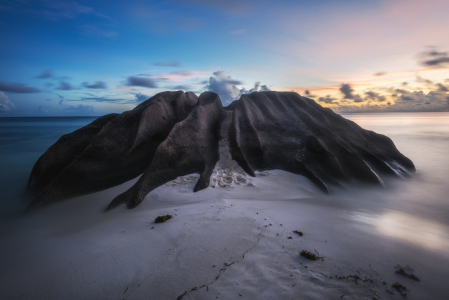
(95,57)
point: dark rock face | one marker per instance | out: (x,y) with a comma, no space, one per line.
(174,134)
(272,130)
(107,152)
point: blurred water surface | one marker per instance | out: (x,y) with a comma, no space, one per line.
(415,210)
(22,142)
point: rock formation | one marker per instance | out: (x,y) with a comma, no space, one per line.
(175,133)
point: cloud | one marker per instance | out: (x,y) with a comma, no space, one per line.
(257,88)
(375,96)
(264,88)
(422,80)
(412,96)
(437,97)
(380,73)
(171,63)
(5,104)
(140,97)
(181,87)
(347,90)
(434,58)
(82,109)
(309,94)
(357,99)
(61,99)
(224,86)
(141,81)
(96,85)
(441,87)
(328,99)
(45,74)
(430,84)
(64,86)
(17,88)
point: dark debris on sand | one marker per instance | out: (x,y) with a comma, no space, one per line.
(308,255)
(400,288)
(411,276)
(161,219)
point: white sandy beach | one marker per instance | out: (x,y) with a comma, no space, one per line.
(220,244)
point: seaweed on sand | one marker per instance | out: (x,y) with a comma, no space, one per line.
(400,288)
(161,219)
(308,255)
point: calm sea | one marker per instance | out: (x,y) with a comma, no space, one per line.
(423,137)
(22,142)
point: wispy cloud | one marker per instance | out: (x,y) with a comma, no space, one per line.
(141,81)
(5,103)
(140,97)
(375,96)
(380,73)
(434,58)
(45,74)
(64,86)
(17,88)
(182,87)
(96,85)
(61,99)
(328,99)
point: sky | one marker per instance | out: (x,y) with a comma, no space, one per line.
(90,58)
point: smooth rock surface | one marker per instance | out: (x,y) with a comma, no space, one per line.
(175,134)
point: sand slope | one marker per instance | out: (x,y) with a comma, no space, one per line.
(222,243)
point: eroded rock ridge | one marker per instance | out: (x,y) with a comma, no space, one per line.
(174,134)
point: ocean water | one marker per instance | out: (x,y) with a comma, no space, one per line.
(415,210)
(419,204)
(22,142)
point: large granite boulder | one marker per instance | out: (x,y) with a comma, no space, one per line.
(282,130)
(175,133)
